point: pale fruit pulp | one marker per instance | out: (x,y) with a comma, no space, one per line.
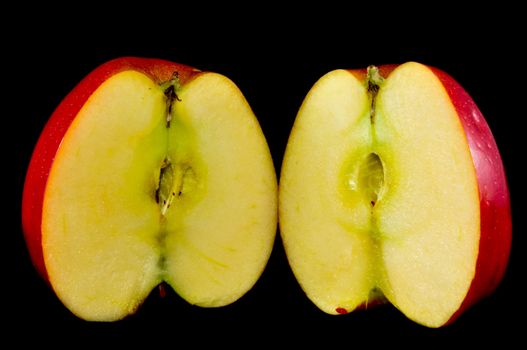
(381,196)
(134,199)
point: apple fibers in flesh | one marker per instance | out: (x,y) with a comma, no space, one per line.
(382,192)
(155,177)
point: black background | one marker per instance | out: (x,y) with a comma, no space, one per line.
(274,81)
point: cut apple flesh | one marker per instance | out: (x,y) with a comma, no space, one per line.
(381,197)
(140,193)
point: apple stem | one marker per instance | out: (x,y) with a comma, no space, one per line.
(170,87)
(374,81)
(374,78)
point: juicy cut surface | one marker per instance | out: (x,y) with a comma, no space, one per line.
(108,238)
(411,230)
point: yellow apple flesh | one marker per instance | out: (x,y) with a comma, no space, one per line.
(135,198)
(379,195)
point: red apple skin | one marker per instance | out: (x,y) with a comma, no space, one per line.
(57,126)
(495,211)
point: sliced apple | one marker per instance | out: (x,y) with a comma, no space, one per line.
(385,191)
(161,174)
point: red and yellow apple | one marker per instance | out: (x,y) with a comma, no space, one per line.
(392,187)
(150,171)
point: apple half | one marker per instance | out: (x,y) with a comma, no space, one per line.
(392,187)
(150,171)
